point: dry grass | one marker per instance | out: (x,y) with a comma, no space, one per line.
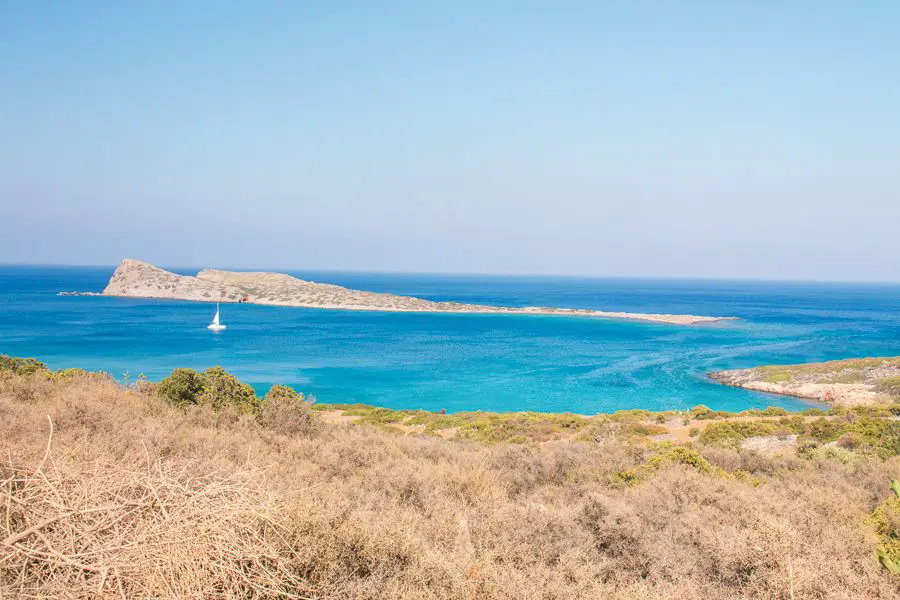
(136,498)
(140,530)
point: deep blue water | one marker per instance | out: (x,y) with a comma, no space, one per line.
(463,362)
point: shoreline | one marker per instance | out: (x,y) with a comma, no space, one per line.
(763,429)
(669,319)
(136,279)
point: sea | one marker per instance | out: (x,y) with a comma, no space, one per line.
(462,362)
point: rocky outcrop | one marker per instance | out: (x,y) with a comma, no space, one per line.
(138,279)
(141,280)
(851,382)
(836,394)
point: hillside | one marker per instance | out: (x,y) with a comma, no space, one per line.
(138,279)
(196,488)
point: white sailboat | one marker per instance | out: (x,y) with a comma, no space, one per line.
(216,325)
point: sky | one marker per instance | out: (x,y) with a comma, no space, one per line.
(756,139)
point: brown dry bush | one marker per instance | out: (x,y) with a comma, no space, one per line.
(355,512)
(140,530)
(289,413)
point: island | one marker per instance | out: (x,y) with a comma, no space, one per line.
(851,382)
(137,279)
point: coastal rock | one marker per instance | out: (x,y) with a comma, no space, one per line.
(851,382)
(138,279)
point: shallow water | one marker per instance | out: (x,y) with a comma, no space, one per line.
(463,362)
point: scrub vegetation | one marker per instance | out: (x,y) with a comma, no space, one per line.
(191,488)
(854,370)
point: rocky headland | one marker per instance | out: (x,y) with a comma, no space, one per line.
(852,382)
(138,279)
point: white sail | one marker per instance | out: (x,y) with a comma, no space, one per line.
(216,325)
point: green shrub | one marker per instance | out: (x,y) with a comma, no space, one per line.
(813,412)
(702,412)
(680,455)
(377,415)
(68,374)
(890,439)
(885,519)
(289,413)
(825,430)
(282,392)
(221,389)
(837,453)
(182,387)
(878,435)
(731,432)
(21,366)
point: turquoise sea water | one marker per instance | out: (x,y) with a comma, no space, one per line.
(462,362)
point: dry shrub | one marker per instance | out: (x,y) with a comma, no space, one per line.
(140,530)
(26,389)
(355,512)
(289,413)
(848,441)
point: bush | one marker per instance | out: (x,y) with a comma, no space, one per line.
(783,432)
(701,412)
(870,430)
(841,455)
(890,439)
(824,430)
(680,455)
(221,389)
(69,374)
(21,366)
(814,412)
(182,387)
(144,386)
(848,441)
(289,413)
(806,447)
(730,432)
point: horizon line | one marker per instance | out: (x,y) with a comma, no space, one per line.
(290,270)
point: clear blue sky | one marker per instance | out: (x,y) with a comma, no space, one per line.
(714,139)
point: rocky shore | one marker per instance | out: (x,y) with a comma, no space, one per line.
(851,382)
(138,279)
